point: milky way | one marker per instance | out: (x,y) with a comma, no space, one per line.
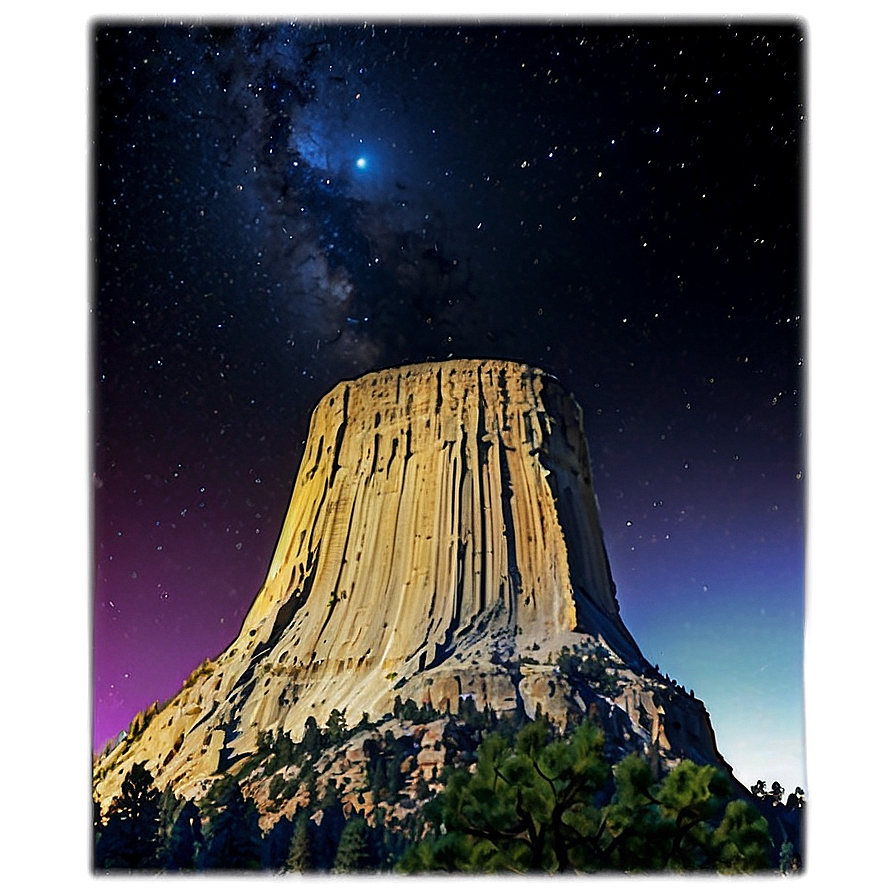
(281,208)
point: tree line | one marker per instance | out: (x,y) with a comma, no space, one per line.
(553,804)
(151,831)
(526,798)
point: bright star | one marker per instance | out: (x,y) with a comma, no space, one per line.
(361,163)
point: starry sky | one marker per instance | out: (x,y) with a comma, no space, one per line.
(278,208)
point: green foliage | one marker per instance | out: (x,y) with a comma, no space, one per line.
(671,824)
(300,846)
(131,836)
(467,712)
(742,840)
(775,795)
(283,788)
(336,727)
(517,796)
(408,711)
(287,752)
(592,667)
(521,809)
(389,760)
(313,738)
(169,807)
(277,751)
(233,840)
(353,854)
(547,803)
(788,861)
(185,841)
(422,790)
(653,825)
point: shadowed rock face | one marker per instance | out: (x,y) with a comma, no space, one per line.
(442,542)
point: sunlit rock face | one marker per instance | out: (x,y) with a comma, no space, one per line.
(441,512)
(442,543)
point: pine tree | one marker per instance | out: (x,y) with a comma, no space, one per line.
(169,806)
(185,841)
(300,856)
(336,727)
(283,749)
(395,777)
(234,837)
(312,739)
(353,853)
(422,790)
(742,840)
(376,774)
(522,809)
(548,803)
(97,826)
(131,837)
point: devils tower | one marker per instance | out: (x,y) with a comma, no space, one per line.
(442,544)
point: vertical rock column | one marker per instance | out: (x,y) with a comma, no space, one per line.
(434,501)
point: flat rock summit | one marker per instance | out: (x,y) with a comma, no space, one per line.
(442,544)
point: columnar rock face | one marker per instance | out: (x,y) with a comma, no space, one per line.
(437,505)
(442,543)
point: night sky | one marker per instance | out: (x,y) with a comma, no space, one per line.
(276,209)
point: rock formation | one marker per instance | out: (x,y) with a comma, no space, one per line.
(442,543)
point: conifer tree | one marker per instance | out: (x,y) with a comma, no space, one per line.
(742,840)
(548,803)
(169,806)
(312,739)
(98,825)
(336,727)
(131,837)
(376,774)
(234,837)
(522,808)
(758,790)
(300,857)
(283,749)
(185,841)
(353,853)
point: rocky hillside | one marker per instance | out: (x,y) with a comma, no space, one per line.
(442,546)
